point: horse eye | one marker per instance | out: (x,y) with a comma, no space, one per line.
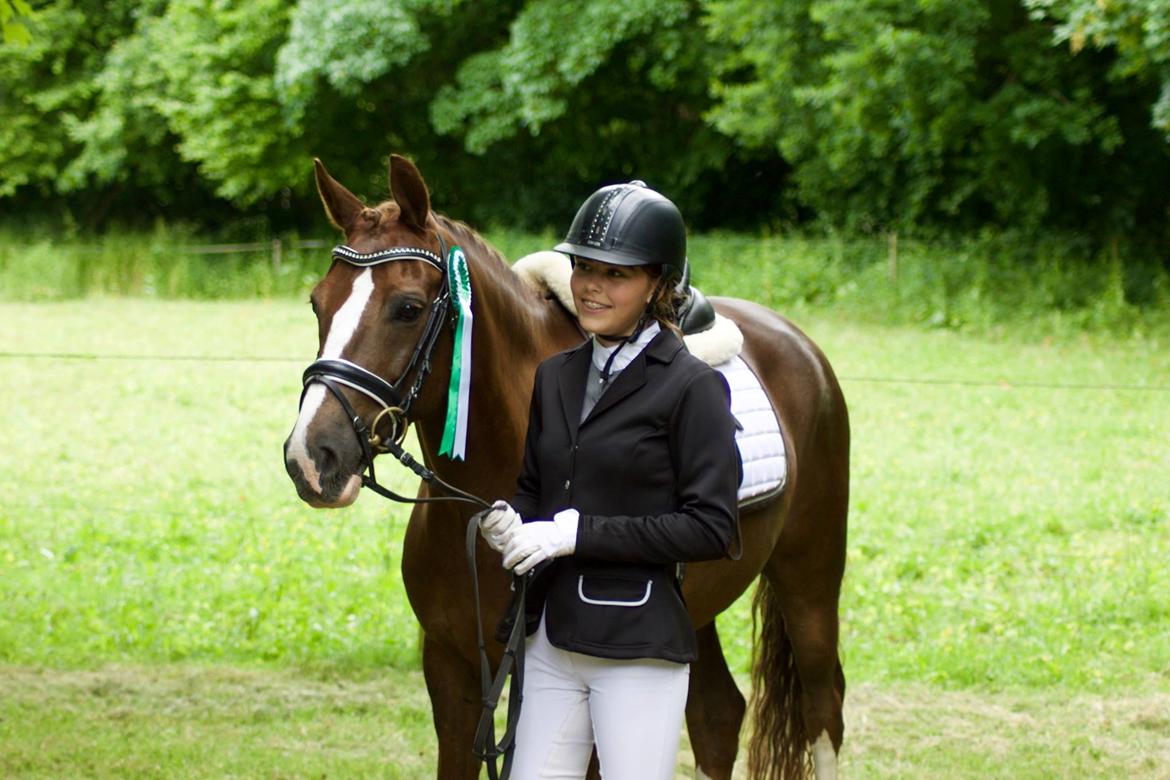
(407,311)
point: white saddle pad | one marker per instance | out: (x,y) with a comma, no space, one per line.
(761,447)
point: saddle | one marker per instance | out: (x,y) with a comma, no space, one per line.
(695,312)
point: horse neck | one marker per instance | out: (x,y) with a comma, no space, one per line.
(514,329)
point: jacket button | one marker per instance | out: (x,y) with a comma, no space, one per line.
(566,484)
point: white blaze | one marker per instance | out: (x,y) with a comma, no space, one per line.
(341,330)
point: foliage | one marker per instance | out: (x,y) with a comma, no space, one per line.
(344,45)
(1048,283)
(594,89)
(553,48)
(196,76)
(48,84)
(1137,30)
(11,24)
(917,116)
(125,137)
(964,113)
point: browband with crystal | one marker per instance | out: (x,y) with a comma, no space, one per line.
(354,257)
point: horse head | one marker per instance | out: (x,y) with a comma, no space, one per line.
(372,316)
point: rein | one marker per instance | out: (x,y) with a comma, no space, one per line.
(334,373)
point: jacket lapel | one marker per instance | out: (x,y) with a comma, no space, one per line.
(571,385)
(630,379)
(662,349)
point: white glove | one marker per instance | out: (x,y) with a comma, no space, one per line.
(497,523)
(539,541)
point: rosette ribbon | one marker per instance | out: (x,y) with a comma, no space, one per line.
(454,444)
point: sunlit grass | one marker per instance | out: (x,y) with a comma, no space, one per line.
(1001,534)
(165,591)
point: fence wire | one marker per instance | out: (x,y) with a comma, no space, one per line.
(999,382)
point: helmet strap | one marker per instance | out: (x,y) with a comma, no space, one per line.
(622,341)
(643,320)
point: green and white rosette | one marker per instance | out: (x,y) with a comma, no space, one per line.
(454,443)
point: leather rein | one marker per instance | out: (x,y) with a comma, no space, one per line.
(333,373)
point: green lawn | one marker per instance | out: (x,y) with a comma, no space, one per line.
(1009,530)
(191,721)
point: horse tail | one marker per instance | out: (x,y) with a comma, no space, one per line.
(778,749)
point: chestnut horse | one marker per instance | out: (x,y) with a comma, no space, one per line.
(374,316)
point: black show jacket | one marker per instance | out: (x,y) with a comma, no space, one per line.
(654,472)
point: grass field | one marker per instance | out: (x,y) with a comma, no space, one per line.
(171,609)
(179,720)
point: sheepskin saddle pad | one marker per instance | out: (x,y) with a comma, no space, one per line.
(761,445)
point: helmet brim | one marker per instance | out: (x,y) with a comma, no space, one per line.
(600,255)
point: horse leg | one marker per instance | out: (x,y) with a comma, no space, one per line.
(453,687)
(810,620)
(715,709)
(798,685)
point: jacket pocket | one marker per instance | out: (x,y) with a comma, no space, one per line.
(613,591)
(618,611)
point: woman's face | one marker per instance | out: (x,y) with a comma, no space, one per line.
(610,298)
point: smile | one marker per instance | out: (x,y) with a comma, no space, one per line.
(593,306)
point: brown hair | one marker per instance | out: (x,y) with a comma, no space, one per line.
(663,306)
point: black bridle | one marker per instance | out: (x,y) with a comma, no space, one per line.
(334,373)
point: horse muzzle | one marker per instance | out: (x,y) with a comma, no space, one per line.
(325,468)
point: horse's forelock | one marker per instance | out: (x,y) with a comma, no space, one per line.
(376,228)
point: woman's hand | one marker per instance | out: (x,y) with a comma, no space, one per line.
(536,542)
(497,524)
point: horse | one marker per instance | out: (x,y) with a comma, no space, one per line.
(376,316)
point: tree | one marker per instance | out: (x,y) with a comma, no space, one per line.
(961,114)
(588,93)
(1137,30)
(49,84)
(868,114)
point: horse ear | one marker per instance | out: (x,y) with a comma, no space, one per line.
(410,192)
(341,205)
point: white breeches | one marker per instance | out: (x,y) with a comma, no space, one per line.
(632,709)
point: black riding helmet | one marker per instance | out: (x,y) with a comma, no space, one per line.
(629,224)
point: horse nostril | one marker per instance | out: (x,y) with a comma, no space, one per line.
(327,461)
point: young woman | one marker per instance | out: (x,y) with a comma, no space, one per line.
(630,467)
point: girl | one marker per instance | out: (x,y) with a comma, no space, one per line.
(630,467)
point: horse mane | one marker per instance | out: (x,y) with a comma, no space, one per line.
(467,237)
(486,255)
